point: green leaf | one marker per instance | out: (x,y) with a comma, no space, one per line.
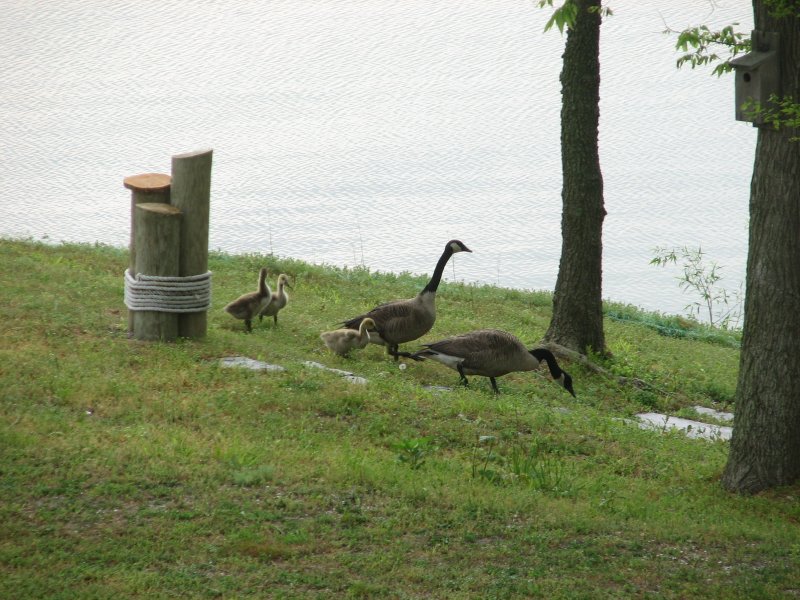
(564,16)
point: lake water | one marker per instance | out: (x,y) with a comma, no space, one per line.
(373,131)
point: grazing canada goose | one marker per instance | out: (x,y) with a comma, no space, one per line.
(279,300)
(249,305)
(343,340)
(403,321)
(492,353)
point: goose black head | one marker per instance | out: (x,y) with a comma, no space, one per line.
(560,376)
(457,246)
(566,382)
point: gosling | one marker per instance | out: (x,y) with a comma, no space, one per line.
(249,305)
(342,341)
(279,300)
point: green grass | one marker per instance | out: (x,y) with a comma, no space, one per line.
(132,469)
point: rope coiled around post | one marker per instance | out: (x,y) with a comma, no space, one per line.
(168,294)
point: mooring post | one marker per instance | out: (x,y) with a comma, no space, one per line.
(147,187)
(191,193)
(157,229)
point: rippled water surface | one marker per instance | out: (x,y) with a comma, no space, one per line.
(371,132)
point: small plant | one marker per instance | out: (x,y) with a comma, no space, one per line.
(534,467)
(350,509)
(722,307)
(540,470)
(481,460)
(414,452)
(251,476)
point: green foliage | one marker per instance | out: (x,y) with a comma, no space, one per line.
(780,9)
(721,307)
(414,452)
(698,42)
(781,113)
(566,14)
(563,16)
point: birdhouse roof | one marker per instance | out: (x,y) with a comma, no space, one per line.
(751,60)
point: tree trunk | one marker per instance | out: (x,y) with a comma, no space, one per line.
(577,321)
(765,448)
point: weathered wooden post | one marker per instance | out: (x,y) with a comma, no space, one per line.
(191,193)
(157,228)
(147,187)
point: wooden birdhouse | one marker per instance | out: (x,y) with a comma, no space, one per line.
(757,75)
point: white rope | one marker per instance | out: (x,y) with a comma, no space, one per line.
(168,294)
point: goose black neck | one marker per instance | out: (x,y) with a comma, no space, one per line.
(433,284)
(542,354)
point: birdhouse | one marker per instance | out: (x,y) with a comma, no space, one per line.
(757,75)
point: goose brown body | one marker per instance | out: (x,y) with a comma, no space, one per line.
(402,321)
(247,306)
(279,300)
(492,353)
(342,341)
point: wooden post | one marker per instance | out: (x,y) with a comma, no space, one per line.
(158,230)
(147,187)
(191,193)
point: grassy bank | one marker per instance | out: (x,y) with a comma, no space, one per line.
(146,470)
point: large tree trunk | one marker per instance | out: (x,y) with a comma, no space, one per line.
(765,448)
(577,302)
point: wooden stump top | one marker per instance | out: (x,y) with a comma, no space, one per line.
(148,182)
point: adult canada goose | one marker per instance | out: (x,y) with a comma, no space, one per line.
(492,353)
(249,305)
(279,300)
(403,321)
(343,340)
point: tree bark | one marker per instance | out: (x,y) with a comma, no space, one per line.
(765,447)
(577,321)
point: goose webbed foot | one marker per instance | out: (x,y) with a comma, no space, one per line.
(392,350)
(494,385)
